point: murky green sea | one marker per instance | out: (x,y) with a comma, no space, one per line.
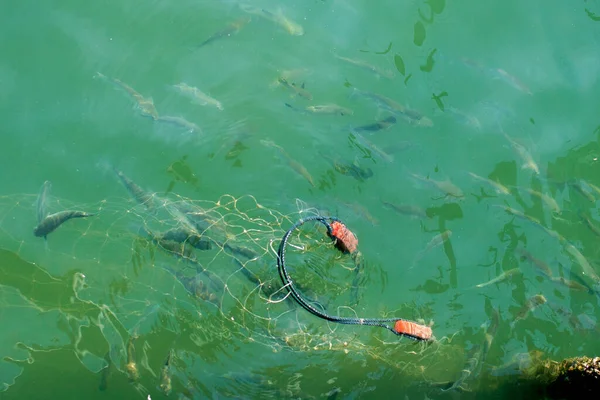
(459,143)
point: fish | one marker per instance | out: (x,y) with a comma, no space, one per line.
(42,201)
(295,165)
(357,137)
(291,74)
(386,73)
(446,187)
(360,211)
(195,285)
(473,360)
(531,304)
(300,91)
(179,249)
(300,169)
(522,215)
(145,104)
(521,151)
(329,109)
(498,187)
(542,266)
(549,201)
(489,336)
(580,187)
(512,80)
(241,251)
(199,221)
(413,117)
(595,188)
(140,195)
(185,235)
(589,223)
(436,241)
(406,209)
(53,221)
(349,169)
(198,96)
(165,375)
(195,220)
(500,278)
(231,29)
(181,122)
(377,126)
(588,270)
(570,284)
(292,27)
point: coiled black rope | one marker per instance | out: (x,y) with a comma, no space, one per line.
(409,329)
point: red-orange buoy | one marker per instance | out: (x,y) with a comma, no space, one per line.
(345,240)
(413,329)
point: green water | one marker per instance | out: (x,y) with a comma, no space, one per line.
(70,307)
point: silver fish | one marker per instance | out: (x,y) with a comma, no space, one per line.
(369,67)
(436,241)
(181,122)
(329,109)
(139,194)
(145,104)
(549,201)
(298,90)
(406,209)
(587,268)
(411,116)
(198,95)
(229,30)
(377,126)
(541,265)
(498,187)
(500,278)
(521,151)
(446,187)
(292,27)
(53,221)
(184,235)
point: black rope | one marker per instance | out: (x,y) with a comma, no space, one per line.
(289,284)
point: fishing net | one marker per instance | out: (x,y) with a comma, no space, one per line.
(137,281)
